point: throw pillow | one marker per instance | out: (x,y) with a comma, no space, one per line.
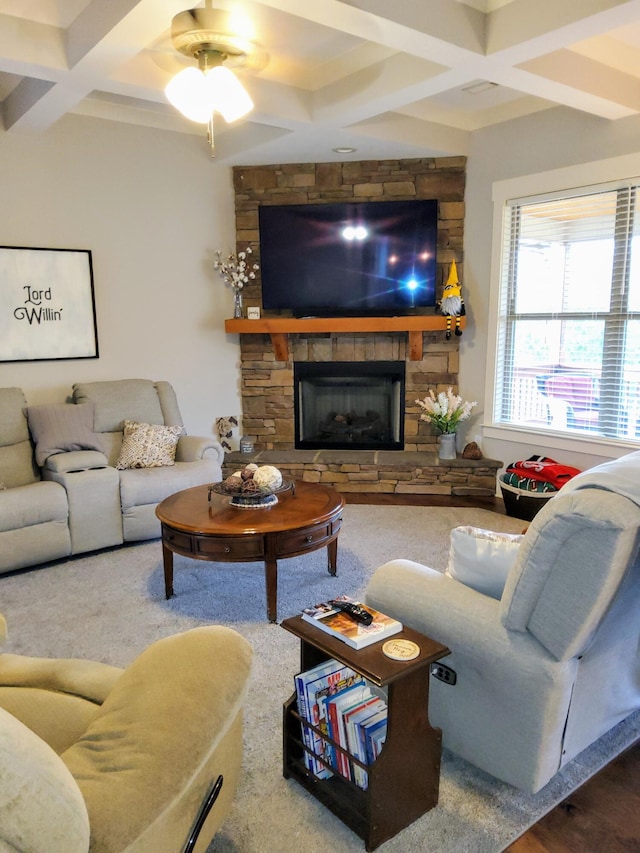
(482,559)
(62,427)
(41,807)
(148,445)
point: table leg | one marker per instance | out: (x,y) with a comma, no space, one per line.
(271,581)
(167,559)
(332,556)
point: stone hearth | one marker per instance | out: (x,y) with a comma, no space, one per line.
(378,472)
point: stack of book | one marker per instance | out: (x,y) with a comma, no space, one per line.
(342,707)
(342,626)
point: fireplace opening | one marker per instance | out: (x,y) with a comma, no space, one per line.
(349,405)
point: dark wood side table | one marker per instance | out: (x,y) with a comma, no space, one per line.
(199,524)
(405,778)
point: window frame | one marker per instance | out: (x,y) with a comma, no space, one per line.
(559,183)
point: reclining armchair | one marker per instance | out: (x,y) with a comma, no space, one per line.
(553,664)
(33,513)
(198,460)
(98,758)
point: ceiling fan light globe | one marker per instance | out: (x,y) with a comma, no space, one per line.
(187,92)
(226,94)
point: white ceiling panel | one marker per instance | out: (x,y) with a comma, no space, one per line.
(390,79)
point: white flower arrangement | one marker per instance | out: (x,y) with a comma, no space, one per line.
(445,411)
(235,269)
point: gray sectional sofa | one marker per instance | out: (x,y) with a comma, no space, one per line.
(67,486)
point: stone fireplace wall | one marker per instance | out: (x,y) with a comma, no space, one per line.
(267,384)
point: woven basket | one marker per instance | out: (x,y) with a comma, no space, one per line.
(521,503)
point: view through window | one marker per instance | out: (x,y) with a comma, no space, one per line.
(568,356)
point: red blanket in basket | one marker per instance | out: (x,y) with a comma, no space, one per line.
(543,469)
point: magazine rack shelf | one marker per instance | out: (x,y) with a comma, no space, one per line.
(404,780)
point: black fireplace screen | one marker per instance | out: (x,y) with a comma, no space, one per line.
(349,405)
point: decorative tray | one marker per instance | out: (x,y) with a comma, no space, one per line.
(251,500)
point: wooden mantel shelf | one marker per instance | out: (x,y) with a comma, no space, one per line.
(280,327)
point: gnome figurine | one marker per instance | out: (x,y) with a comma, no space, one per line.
(452,303)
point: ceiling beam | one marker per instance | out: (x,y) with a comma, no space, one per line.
(97,42)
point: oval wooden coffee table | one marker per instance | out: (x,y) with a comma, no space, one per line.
(199,524)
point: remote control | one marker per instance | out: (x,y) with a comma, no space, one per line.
(358,613)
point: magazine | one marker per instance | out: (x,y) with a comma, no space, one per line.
(340,625)
(337,707)
(312,687)
(354,719)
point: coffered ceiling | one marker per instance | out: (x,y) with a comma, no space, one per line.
(405,78)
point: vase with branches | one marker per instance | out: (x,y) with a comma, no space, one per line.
(236,271)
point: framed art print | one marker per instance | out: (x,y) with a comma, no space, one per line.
(47,304)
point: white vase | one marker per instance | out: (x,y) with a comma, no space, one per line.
(447,445)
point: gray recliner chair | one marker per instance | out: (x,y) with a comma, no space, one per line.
(554,664)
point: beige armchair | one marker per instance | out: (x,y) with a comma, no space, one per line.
(101,759)
(546,670)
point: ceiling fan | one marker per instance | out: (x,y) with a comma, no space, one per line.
(210,37)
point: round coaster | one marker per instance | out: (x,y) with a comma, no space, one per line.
(401,649)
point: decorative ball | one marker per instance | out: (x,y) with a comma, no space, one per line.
(249,470)
(267,478)
(233,483)
(250,487)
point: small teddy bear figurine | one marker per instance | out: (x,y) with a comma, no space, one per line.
(452,303)
(224,428)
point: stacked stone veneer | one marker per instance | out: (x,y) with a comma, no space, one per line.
(267,384)
(378,471)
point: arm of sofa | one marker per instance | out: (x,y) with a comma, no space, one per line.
(191,448)
(89,680)
(171,724)
(75,460)
(93,494)
(55,698)
(430,601)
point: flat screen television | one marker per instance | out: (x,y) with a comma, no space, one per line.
(349,258)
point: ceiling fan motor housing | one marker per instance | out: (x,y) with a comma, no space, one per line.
(196,30)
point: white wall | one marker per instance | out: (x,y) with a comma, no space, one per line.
(153,207)
(548,140)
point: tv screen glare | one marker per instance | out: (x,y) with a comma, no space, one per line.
(349,259)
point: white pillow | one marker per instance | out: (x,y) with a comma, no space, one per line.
(41,807)
(482,559)
(148,445)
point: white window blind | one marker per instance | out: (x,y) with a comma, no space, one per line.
(568,354)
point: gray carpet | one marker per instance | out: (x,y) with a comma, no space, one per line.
(109,606)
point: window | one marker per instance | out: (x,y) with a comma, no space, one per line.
(568,344)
